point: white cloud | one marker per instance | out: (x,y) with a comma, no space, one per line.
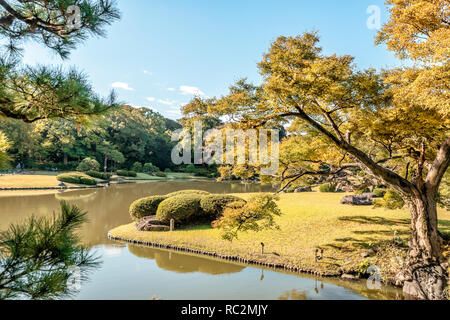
(113,251)
(122,85)
(147,72)
(191,90)
(170,89)
(151,99)
(166,102)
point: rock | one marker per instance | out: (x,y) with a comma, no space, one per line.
(62,185)
(367,253)
(348,276)
(303,189)
(151,224)
(364,199)
(428,283)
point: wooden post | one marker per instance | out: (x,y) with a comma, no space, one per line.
(172,224)
(262,247)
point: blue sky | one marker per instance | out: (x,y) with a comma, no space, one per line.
(162,52)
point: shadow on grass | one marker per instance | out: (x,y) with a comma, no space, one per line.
(385,232)
(375,220)
(198,228)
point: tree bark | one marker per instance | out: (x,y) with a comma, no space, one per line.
(105,167)
(423,277)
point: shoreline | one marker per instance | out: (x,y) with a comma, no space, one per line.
(274,266)
(50,188)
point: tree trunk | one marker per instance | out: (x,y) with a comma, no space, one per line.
(106,164)
(65,159)
(424,277)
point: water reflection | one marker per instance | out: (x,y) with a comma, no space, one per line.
(136,272)
(184,263)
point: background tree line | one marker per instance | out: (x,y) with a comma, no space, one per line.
(117,139)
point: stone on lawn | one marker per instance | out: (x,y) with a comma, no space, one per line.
(151,224)
(364,199)
(303,189)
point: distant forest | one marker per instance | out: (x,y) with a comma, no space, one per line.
(123,136)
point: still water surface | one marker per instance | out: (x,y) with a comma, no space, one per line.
(135,272)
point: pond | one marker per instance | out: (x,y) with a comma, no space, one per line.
(135,272)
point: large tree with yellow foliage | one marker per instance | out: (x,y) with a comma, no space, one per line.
(389,127)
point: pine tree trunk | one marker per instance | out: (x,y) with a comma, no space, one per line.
(424,278)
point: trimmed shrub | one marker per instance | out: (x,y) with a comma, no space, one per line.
(167,170)
(132,173)
(77,178)
(145,207)
(183,208)
(160,174)
(213,205)
(361,191)
(99,175)
(122,173)
(391,200)
(149,167)
(137,167)
(125,173)
(327,187)
(88,164)
(182,192)
(379,192)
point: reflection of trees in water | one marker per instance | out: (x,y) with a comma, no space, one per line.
(386,292)
(293,294)
(184,263)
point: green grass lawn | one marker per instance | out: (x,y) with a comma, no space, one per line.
(309,221)
(47,179)
(30,181)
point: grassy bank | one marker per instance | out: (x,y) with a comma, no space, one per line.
(309,221)
(29,181)
(44,179)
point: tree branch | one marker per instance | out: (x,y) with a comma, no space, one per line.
(374,169)
(440,165)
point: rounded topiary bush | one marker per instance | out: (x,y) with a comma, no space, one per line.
(149,167)
(99,175)
(327,187)
(137,167)
(76,178)
(182,192)
(379,192)
(88,164)
(391,200)
(361,191)
(125,173)
(160,174)
(145,207)
(183,208)
(132,173)
(213,205)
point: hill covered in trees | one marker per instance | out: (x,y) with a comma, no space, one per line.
(123,136)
